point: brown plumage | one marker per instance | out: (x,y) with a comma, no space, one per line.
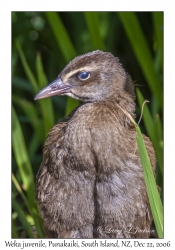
(90,183)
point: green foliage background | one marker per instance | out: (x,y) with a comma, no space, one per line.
(42,44)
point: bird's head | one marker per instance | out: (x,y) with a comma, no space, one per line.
(92,77)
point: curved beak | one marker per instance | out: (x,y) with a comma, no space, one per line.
(57,87)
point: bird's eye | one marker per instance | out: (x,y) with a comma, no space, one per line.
(84,75)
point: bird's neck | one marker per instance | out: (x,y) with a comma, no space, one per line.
(127,104)
(114,110)
(122,105)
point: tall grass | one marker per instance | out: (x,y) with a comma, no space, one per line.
(62,36)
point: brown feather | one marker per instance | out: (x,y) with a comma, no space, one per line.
(90,183)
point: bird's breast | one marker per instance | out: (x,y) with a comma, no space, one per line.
(97,140)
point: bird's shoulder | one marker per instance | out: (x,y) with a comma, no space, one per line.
(57,132)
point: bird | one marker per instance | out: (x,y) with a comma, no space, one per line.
(90,183)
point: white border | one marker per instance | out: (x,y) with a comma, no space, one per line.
(5,95)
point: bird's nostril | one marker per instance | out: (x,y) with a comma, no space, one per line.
(53,87)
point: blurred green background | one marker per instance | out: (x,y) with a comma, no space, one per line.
(42,44)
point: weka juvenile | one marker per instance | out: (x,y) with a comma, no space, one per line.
(90,183)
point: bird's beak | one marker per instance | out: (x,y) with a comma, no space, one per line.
(57,87)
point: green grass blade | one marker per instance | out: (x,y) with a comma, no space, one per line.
(42,79)
(151,130)
(158,28)
(22,158)
(142,51)
(159,130)
(92,21)
(14,230)
(33,145)
(31,209)
(22,218)
(48,118)
(19,189)
(26,67)
(62,37)
(31,112)
(65,44)
(22,84)
(71,104)
(154,197)
(46,104)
